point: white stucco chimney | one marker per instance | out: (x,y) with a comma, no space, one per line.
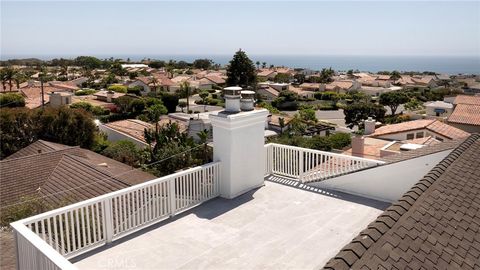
(232,98)
(247,101)
(370,126)
(238,143)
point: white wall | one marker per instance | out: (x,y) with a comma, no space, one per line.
(387,182)
(401,136)
(114,135)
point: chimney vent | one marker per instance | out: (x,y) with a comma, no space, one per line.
(370,126)
(246,103)
(232,98)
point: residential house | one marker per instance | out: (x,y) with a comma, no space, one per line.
(267,92)
(426,81)
(466,113)
(163,83)
(439,108)
(274,120)
(311,87)
(58,99)
(266,74)
(107,96)
(419,129)
(343,86)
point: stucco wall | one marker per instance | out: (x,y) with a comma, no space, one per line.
(387,182)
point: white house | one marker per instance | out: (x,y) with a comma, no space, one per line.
(439,108)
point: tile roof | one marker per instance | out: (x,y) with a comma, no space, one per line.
(80,173)
(466,114)
(429,124)
(38,147)
(132,127)
(435,225)
(464,99)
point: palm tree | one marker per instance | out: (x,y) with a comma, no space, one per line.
(203,136)
(258,64)
(185,88)
(264,64)
(154,82)
(64,71)
(3,78)
(8,75)
(19,77)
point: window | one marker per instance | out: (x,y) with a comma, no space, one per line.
(438,138)
(410,136)
(419,134)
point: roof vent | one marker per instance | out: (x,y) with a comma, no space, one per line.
(232,98)
(103,164)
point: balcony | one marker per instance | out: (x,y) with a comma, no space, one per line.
(177,221)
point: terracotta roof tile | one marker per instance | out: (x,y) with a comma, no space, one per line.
(429,124)
(464,99)
(466,114)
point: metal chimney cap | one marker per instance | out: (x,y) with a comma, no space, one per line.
(232,91)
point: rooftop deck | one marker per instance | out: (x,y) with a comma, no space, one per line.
(275,226)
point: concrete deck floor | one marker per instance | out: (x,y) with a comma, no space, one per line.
(273,227)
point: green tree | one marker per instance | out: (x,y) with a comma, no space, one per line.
(281,78)
(8,74)
(257,64)
(393,100)
(123,151)
(185,90)
(308,115)
(281,122)
(182,105)
(286,100)
(395,75)
(299,78)
(12,100)
(155,112)
(170,101)
(118,88)
(202,63)
(203,137)
(413,104)
(204,96)
(356,113)
(241,71)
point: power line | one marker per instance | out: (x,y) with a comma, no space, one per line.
(102,180)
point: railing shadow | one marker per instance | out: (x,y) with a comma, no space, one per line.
(326,192)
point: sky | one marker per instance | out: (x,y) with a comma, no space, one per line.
(70,28)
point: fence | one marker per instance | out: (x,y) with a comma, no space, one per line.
(308,165)
(47,240)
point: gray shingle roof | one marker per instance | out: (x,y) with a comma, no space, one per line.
(435,225)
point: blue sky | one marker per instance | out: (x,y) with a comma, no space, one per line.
(216,27)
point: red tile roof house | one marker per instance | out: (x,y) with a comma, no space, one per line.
(466,113)
(163,82)
(419,129)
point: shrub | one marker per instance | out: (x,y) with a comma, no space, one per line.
(12,100)
(123,151)
(118,88)
(85,92)
(136,90)
(211,91)
(215,96)
(340,140)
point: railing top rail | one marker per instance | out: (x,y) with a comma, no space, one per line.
(325,153)
(42,246)
(113,194)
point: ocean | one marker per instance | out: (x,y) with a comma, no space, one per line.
(440,64)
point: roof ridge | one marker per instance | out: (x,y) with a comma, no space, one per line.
(353,251)
(38,154)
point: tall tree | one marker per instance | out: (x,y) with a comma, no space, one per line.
(153,81)
(393,100)
(185,88)
(241,71)
(258,64)
(356,113)
(9,75)
(395,75)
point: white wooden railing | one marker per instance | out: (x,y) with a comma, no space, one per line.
(48,240)
(308,165)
